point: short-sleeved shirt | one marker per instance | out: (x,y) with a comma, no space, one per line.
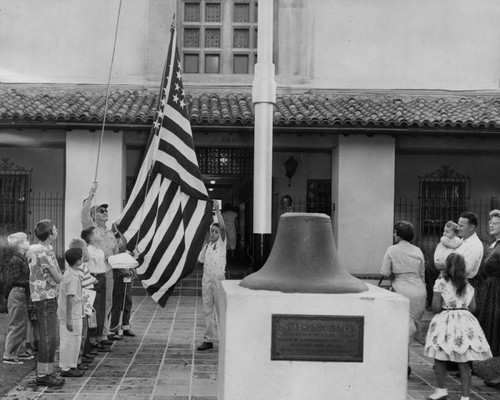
(449,294)
(87,279)
(213,257)
(472,250)
(42,285)
(97,260)
(71,284)
(403,258)
(107,242)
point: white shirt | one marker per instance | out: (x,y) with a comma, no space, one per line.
(472,251)
(213,257)
(97,261)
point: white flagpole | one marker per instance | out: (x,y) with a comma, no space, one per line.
(264,98)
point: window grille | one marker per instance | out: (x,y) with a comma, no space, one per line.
(225,161)
(15,188)
(443,196)
(218,36)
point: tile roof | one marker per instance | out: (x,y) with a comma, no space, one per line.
(136,107)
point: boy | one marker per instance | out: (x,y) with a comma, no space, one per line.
(70,314)
(213,257)
(98,269)
(45,275)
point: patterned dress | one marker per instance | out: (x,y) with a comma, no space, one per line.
(488,301)
(455,334)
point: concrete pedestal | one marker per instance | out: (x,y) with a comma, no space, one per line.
(246,371)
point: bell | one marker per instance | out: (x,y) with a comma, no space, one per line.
(304,259)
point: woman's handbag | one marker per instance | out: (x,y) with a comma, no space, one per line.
(93,320)
(384,285)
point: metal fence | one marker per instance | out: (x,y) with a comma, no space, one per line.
(38,206)
(409,209)
(47,206)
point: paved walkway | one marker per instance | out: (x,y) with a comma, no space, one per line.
(161,362)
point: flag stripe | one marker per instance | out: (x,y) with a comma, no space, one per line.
(180,249)
(167,240)
(182,147)
(168,213)
(150,221)
(197,235)
(177,122)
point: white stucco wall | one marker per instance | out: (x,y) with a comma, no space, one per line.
(81,161)
(71,41)
(407,44)
(363,169)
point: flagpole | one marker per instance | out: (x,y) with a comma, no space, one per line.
(264,98)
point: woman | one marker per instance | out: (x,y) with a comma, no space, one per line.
(488,310)
(405,262)
(231,221)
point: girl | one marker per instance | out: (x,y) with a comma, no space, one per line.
(454,333)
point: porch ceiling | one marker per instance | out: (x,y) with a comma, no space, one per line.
(134,108)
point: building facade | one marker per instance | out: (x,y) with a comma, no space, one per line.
(385,110)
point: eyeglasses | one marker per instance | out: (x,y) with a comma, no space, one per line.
(102,211)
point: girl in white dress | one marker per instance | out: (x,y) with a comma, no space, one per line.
(454,333)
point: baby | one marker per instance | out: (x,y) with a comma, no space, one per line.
(448,243)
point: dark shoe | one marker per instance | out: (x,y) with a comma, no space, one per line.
(104,349)
(92,353)
(49,380)
(205,346)
(128,332)
(114,336)
(72,373)
(106,342)
(91,356)
(86,360)
(495,382)
(102,345)
(25,356)
(82,367)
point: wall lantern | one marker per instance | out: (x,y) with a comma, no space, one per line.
(290,167)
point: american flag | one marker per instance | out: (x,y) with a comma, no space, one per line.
(168,212)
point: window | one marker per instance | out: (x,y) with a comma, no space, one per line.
(218,37)
(443,196)
(14,196)
(319,196)
(219,161)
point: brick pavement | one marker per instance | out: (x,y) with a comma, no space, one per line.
(161,362)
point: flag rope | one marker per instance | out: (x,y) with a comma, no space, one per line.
(107,97)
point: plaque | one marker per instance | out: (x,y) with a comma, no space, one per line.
(317,338)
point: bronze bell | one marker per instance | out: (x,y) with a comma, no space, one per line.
(304,259)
